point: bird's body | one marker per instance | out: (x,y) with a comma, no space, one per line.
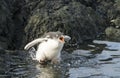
(49,50)
(49,47)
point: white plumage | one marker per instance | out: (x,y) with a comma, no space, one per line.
(49,47)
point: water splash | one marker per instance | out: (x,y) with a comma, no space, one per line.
(32,53)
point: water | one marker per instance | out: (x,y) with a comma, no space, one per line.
(100,59)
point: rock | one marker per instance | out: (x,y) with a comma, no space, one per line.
(71,17)
(6,24)
(25,20)
(113,30)
(113,33)
(12,18)
(116,22)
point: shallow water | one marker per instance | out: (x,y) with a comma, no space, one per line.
(100,59)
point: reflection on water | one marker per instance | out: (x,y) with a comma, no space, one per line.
(100,59)
(48,72)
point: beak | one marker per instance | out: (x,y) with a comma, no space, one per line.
(67,38)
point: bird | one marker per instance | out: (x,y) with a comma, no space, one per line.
(49,47)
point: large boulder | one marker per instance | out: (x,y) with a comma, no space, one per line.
(25,20)
(71,17)
(12,20)
(6,24)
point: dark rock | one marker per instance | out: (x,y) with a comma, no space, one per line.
(6,24)
(12,18)
(80,22)
(25,20)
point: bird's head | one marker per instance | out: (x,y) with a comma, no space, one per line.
(58,36)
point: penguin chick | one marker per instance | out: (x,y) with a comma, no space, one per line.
(49,47)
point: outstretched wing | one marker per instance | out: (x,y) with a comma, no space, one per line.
(34,42)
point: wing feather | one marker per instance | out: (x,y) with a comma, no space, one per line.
(34,42)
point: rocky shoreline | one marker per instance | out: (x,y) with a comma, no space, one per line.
(23,21)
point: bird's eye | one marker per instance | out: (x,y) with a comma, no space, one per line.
(61,39)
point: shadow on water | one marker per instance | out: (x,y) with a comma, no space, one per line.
(100,59)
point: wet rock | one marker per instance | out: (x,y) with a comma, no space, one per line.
(12,21)
(113,33)
(73,18)
(25,20)
(6,24)
(22,21)
(113,30)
